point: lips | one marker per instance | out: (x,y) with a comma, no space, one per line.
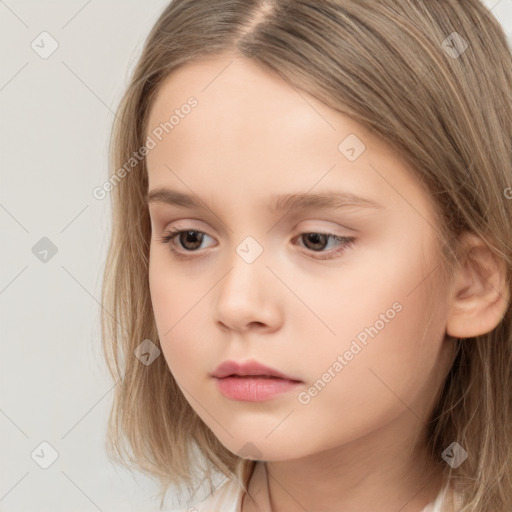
(252,381)
(249,369)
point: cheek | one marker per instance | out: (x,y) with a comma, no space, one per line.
(380,314)
(177,302)
(390,374)
(387,341)
(182,308)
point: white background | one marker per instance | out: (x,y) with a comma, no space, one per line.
(55,121)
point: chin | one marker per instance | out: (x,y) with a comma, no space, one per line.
(263,449)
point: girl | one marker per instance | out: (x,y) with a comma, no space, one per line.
(309,278)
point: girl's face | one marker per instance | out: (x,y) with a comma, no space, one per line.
(357,323)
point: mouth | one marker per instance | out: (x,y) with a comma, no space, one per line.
(252,381)
(250,369)
(255,377)
(254,388)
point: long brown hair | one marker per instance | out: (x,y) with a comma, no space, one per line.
(433,78)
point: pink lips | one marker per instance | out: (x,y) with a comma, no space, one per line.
(252,381)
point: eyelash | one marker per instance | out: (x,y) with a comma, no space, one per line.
(170,235)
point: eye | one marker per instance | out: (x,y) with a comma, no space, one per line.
(318,241)
(191,240)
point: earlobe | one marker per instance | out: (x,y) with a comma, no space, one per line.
(480,294)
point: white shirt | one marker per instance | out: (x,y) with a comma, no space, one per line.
(228,496)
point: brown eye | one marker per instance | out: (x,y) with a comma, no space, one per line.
(315,241)
(194,238)
(189,239)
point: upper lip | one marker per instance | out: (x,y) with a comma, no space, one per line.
(248,368)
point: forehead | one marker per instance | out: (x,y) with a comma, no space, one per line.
(251,129)
(229,82)
(238,104)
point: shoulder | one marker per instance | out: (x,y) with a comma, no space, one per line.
(448,500)
(226,498)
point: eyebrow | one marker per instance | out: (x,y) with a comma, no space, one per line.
(278,203)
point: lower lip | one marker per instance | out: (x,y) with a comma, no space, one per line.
(254,389)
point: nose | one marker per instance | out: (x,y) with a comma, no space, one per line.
(248,297)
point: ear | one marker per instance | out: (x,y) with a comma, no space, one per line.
(480,295)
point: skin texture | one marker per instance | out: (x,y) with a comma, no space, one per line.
(360,440)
